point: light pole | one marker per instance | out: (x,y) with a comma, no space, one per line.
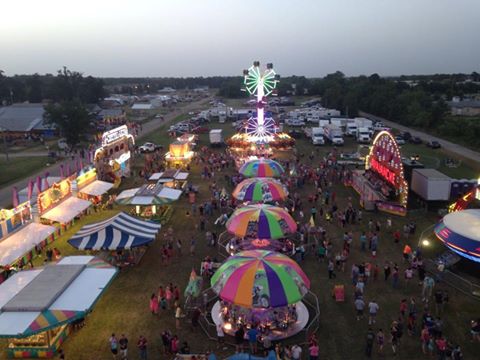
(5,147)
(421,240)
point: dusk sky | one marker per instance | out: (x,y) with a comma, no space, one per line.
(207,37)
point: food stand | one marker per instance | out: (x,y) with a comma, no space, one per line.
(20,238)
(151,201)
(39,307)
(179,154)
(88,187)
(113,159)
(382,184)
(57,205)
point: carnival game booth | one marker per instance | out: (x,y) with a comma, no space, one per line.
(20,238)
(122,239)
(179,154)
(460,232)
(382,184)
(88,187)
(40,307)
(113,159)
(261,289)
(172,178)
(57,205)
(151,201)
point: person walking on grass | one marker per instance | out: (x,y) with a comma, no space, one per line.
(359,307)
(178,316)
(372,311)
(123,343)
(154,304)
(113,345)
(370,341)
(142,347)
(380,341)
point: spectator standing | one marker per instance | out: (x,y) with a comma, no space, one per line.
(370,341)
(142,347)
(113,345)
(123,343)
(372,311)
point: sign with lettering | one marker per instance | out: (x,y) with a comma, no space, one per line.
(113,135)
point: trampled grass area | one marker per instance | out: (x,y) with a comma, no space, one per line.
(19,167)
(124,306)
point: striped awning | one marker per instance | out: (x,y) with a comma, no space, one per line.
(122,231)
(52,318)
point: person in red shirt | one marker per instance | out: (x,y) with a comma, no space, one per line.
(441,347)
(396,236)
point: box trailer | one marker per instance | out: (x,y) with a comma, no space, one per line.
(431,184)
(216,137)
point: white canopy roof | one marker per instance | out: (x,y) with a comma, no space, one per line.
(96,188)
(78,294)
(181,175)
(127,193)
(67,210)
(170,193)
(22,241)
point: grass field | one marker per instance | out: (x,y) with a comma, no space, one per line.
(19,167)
(124,306)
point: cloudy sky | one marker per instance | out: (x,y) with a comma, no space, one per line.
(222,37)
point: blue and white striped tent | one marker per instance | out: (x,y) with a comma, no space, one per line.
(121,231)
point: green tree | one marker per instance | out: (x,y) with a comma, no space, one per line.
(71,118)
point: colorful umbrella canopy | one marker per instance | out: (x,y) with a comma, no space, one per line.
(261,168)
(260,189)
(261,279)
(261,221)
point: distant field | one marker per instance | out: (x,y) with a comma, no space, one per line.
(19,167)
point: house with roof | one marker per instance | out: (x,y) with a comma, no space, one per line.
(466,107)
(25,120)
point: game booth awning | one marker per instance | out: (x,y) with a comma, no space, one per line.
(96,188)
(121,231)
(22,241)
(37,305)
(67,210)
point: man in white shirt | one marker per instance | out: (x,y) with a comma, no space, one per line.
(296,352)
(372,310)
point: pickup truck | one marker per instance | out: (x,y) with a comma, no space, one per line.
(149,147)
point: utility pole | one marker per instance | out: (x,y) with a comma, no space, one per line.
(5,147)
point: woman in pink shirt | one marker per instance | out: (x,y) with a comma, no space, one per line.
(154,304)
(169,295)
(313,351)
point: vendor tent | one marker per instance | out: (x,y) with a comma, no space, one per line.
(30,302)
(22,241)
(67,210)
(153,194)
(121,231)
(96,188)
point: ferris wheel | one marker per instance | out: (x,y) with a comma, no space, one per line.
(258,82)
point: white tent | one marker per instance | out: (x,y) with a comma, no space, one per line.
(67,210)
(22,241)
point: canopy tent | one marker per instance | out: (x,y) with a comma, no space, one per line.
(22,241)
(31,302)
(67,210)
(153,194)
(121,231)
(96,188)
(169,175)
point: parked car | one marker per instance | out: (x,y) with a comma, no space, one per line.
(296,133)
(434,144)
(149,147)
(400,140)
(406,135)
(415,140)
(200,130)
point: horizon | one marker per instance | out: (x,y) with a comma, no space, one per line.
(186,38)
